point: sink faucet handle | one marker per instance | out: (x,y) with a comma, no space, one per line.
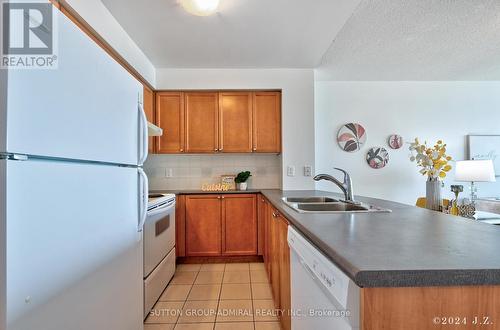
(347,184)
(346,175)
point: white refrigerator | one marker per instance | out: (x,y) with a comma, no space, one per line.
(73,196)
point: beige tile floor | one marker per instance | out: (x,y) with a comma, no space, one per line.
(234,296)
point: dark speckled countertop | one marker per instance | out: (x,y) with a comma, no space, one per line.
(408,247)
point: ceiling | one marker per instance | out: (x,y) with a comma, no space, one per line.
(343,39)
(243,34)
(417,40)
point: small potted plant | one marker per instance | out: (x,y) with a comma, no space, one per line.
(241,180)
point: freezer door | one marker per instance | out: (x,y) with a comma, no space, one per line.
(74,252)
(87,109)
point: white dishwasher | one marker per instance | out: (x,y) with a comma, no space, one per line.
(323,297)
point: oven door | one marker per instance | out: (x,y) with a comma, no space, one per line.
(159,235)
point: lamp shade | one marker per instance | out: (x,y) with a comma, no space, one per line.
(475,171)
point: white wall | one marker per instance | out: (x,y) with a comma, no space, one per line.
(428,110)
(297,87)
(98,16)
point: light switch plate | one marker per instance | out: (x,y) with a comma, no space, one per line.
(290,170)
(169,173)
(307,170)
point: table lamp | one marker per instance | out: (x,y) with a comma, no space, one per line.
(474,171)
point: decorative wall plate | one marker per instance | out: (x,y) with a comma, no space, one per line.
(377,157)
(395,141)
(351,137)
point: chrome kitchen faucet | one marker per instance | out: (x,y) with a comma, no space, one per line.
(345,186)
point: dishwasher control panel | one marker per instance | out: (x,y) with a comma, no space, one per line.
(319,267)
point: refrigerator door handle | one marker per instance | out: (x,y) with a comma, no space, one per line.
(143,143)
(143,195)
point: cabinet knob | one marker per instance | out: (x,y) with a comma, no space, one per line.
(222,197)
(216,149)
(254,149)
(221,149)
(181,150)
(218,197)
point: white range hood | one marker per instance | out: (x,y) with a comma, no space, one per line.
(154,130)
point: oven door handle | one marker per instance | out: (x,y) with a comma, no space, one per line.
(164,208)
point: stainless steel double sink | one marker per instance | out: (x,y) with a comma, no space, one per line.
(323,204)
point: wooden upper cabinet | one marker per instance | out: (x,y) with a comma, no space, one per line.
(203,225)
(211,122)
(148,101)
(239,224)
(235,122)
(170,117)
(201,122)
(267,122)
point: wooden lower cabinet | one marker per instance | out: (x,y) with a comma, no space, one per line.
(284,270)
(274,255)
(261,225)
(216,225)
(239,224)
(428,308)
(203,225)
(180,226)
(277,262)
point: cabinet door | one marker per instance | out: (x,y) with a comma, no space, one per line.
(148,98)
(203,225)
(201,122)
(274,257)
(284,266)
(239,224)
(170,117)
(267,122)
(267,239)
(261,230)
(180,226)
(235,122)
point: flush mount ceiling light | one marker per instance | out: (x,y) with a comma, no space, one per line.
(200,7)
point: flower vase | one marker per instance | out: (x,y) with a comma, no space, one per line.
(433,195)
(242,186)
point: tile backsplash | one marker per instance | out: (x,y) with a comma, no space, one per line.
(192,171)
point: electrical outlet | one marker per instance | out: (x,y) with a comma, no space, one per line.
(169,173)
(290,170)
(307,170)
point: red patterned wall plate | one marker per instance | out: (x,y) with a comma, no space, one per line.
(395,141)
(351,137)
(377,157)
